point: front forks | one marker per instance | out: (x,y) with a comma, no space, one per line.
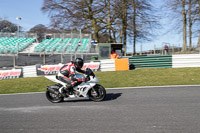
(94,93)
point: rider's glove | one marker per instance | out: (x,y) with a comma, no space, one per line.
(87,78)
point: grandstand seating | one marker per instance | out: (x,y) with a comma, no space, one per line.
(61,45)
(41,46)
(13,44)
(52,45)
(83,47)
(73,45)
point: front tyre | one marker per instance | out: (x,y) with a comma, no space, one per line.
(97,93)
(53,97)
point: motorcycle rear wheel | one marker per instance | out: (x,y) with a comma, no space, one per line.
(97,93)
(53,97)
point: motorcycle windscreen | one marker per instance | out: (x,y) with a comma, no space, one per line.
(79,75)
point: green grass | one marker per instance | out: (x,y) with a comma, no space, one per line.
(22,85)
(139,77)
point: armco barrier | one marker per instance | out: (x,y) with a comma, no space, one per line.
(107,65)
(164,61)
(188,60)
(155,61)
(29,71)
(38,70)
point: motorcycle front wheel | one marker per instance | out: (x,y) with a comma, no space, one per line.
(53,97)
(97,93)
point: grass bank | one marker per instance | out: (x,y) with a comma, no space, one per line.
(139,77)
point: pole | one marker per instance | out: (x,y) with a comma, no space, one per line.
(18,28)
(61,57)
(44,58)
(14,61)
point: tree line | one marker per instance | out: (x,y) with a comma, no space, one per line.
(115,19)
(185,16)
(121,20)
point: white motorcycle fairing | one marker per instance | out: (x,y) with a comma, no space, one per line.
(82,89)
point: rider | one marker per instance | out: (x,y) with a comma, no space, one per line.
(67,74)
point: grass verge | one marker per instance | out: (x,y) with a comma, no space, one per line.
(139,77)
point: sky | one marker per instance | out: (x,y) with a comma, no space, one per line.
(28,10)
(31,14)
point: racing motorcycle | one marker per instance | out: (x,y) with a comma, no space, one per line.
(89,89)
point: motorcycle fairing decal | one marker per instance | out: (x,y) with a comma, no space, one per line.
(83,89)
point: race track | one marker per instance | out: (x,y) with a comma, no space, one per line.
(136,110)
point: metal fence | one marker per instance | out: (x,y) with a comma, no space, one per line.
(172,50)
(27,59)
(21,34)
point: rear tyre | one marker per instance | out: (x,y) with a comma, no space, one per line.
(97,93)
(53,97)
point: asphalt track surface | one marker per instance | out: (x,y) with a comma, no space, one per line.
(136,110)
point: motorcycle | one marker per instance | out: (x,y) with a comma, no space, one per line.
(88,89)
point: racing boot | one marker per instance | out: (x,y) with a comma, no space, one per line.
(64,92)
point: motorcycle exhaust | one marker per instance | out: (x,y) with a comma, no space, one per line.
(52,90)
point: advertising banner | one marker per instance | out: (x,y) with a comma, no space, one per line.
(54,69)
(94,66)
(48,69)
(11,74)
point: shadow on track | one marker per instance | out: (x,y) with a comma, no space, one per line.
(112,96)
(109,97)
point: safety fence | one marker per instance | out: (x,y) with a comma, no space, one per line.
(190,60)
(108,65)
(25,59)
(164,61)
(39,70)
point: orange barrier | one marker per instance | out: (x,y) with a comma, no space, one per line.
(121,64)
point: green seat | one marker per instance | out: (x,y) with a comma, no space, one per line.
(63,45)
(83,47)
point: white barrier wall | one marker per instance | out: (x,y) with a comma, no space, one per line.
(29,71)
(187,60)
(107,65)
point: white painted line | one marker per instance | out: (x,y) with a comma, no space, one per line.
(21,93)
(167,86)
(121,88)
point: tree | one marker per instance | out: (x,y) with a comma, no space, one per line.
(109,19)
(84,14)
(184,25)
(198,11)
(40,30)
(188,10)
(134,2)
(7,26)
(143,21)
(190,23)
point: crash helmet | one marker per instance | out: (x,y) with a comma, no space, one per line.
(78,62)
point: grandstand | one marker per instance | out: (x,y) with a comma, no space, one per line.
(67,45)
(55,48)
(13,45)
(59,43)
